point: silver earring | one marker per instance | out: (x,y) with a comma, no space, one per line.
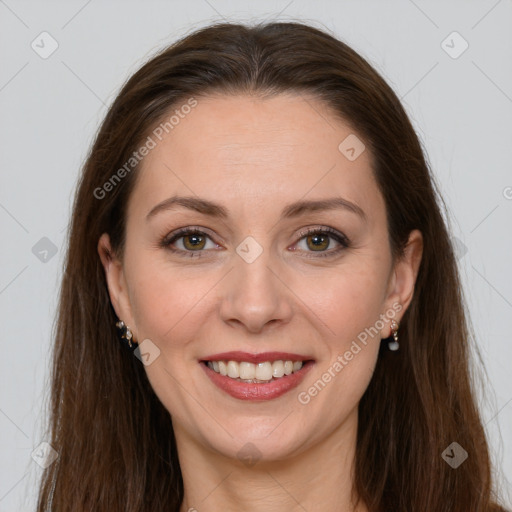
(393,345)
(125,335)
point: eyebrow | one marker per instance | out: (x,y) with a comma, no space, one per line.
(295,209)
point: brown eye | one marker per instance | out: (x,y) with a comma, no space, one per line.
(189,241)
(317,242)
(322,241)
(194,241)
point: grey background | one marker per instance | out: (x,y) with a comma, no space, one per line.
(50,109)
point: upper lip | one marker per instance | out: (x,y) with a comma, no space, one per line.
(239,356)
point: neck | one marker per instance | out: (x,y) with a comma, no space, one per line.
(319,478)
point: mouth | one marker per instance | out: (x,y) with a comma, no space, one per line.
(265,379)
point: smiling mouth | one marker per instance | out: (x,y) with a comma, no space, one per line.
(256,373)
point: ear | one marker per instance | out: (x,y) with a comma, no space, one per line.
(403,278)
(116,282)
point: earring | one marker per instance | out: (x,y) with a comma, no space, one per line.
(393,345)
(125,335)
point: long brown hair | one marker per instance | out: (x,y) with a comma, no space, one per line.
(114,438)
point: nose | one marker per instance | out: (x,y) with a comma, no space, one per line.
(255,297)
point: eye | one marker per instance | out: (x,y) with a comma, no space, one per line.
(324,241)
(193,242)
(188,240)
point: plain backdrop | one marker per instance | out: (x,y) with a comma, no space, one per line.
(457,89)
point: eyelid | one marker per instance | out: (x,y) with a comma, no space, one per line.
(323,229)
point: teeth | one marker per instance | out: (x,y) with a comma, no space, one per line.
(277,369)
(250,372)
(247,371)
(264,371)
(222,368)
(233,370)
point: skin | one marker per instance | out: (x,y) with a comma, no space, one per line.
(255,156)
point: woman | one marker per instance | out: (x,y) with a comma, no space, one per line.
(261,307)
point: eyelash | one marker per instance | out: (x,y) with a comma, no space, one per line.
(338,237)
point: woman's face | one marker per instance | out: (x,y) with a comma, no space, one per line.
(254,280)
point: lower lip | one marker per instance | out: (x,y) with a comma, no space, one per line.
(258,392)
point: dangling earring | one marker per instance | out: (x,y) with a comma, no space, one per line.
(393,345)
(125,335)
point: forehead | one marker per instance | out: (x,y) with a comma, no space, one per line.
(273,150)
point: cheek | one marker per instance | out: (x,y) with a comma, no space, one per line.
(348,300)
(349,305)
(168,303)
